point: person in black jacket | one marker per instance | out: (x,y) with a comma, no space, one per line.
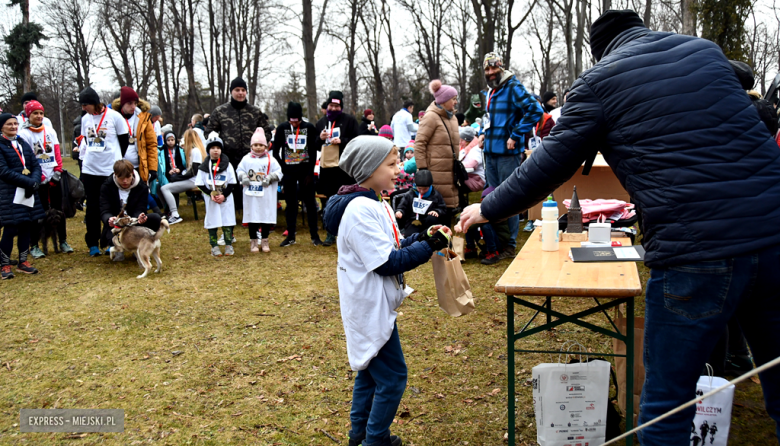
(698,162)
(435,207)
(336,129)
(19,173)
(125,188)
(367,126)
(295,148)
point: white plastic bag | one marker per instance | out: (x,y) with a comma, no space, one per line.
(713,415)
(570,403)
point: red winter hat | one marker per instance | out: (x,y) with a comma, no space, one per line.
(127,94)
(31,107)
(367,112)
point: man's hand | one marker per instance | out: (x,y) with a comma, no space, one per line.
(324,135)
(434,214)
(470,216)
(142,218)
(399,215)
(510,144)
(335,141)
(111,221)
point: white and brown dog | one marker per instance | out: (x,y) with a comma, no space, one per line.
(142,241)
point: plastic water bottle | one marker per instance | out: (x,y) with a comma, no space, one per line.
(549,225)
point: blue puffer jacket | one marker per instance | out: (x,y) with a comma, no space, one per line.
(11,177)
(671,119)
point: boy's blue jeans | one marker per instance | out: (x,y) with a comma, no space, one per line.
(490,236)
(687,310)
(497,169)
(377,393)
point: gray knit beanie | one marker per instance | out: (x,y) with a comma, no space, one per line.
(467,133)
(155,111)
(363,155)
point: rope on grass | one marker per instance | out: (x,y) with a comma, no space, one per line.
(747,375)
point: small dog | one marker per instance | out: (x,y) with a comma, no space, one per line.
(49,227)
(141,241)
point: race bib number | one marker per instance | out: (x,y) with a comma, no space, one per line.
(47,161)
(332,135)
(254,189)
(220,180)
(96,142)
(534,143)
(298,143)
(420,206)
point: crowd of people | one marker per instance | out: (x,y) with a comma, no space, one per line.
(390,192)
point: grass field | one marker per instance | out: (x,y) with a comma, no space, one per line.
(251,350)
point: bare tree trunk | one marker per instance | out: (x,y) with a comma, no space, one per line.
(579,40)
(689,17)
(309,40)
(396,96)
(648,12)
(606,5)
(26,21)
(511,29)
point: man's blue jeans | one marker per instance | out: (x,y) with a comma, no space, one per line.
(377,394)
(497,169)
(687,310)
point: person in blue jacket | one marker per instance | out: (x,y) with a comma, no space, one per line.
(20,177)
(672,120)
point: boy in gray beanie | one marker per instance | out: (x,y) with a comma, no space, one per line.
(371,264)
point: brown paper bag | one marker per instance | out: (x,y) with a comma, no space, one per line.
(329,156)
(452,285)
(619,348)
(459,246)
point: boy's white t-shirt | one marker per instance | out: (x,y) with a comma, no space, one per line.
(101,162)
(368,301)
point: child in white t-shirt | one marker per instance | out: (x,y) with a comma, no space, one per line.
(216,179)
(372,258)
(259,174)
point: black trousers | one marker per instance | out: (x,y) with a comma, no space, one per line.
(51,197)
(298,185)
(92,185)
(22,234)
(264,228)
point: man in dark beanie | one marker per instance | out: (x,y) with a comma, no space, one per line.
(235,122)
(295,148)
(549,101)
(670,117)
(336,129)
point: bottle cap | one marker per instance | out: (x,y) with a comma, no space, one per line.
(549,203)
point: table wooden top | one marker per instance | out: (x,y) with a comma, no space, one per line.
(539,273)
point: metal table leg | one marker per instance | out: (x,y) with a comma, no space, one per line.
(629,391)
(510,368)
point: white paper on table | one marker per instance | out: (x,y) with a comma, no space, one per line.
(19,198)
(628,252)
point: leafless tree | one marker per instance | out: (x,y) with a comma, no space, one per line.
(74,40)
(429,20)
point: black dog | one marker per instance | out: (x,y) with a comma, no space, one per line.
(51,222)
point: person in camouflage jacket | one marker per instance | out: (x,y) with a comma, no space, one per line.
(236,121)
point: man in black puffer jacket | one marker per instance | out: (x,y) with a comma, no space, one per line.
(671,119)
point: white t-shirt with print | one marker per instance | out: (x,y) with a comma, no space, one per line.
(46,159)
(368,301)
(96,161)
(218,214)
(132,149)
(195,158)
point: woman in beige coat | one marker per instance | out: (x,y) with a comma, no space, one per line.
(436,145)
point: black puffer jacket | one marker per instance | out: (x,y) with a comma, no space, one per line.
(671,119)
(11,177)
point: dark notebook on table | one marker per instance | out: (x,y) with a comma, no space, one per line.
(635,253)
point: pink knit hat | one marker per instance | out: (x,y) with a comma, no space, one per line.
(442,93)
(259,137)
(386,132)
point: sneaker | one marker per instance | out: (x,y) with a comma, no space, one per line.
(738,364)
(94,251)
(25,267)
(529,226)
(316,241)
(107,252)
(174,219)
(253,247)
(264,245)
(508,253)
(491,259)
(229,250)
(6,273)
(221,241)
(329,240)
(470,253)
(65,247)
(287,242)
(36,252)
(215,251)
